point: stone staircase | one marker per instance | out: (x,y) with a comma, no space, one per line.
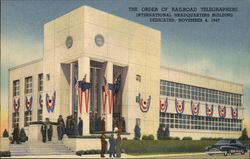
(53,147)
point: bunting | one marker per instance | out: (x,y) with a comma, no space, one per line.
(16,104)
(28,103)
(50,102)
(195,108)
(179,106)
(234,113)
(164,105)
(222,111)
(209,110)
(144,105)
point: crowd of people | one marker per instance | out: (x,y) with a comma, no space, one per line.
(70,128)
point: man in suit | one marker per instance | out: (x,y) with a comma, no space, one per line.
(80,126)
(15,134)
(44,131)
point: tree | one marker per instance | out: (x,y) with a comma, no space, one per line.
(160,132)
(166,133)
(244,135)
(5,133)
(23,136)
(137,132)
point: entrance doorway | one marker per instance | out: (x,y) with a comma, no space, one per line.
(97,80)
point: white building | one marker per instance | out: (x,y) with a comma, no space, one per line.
(102,46)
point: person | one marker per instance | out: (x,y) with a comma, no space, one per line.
(68,120)
(103,124)
(15,134)
(118,145)
(112,146)
(99,120)
(103,145)
(72,125)
(60,127)
(123,125)
(43,131)
(50,131)
(80,126)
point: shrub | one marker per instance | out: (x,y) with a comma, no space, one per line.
(160,133)
(5,133)
(124,138)
(23,136)
(137,131)
(176,138)
(85,152)
(210,138)
(166,133)
(149,137)
(5,154)
(187,138)
(163,146)
(244,135)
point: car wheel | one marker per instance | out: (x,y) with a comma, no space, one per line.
(225,153)
(242,152)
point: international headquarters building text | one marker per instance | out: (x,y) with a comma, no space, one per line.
(97,65)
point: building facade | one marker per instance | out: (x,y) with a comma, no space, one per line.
(97,65)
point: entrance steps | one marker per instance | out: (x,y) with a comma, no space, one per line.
(39,148)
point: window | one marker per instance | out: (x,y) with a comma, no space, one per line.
(197,93)
(39,115)
(16,88)
(15,119)
(40,82)
(204,123)
(138,78)
(28,85)
(27,118)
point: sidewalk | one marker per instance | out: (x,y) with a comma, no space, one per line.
(106,156)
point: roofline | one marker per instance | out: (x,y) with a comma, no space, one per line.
(105,13)
(25,64)
(196,74)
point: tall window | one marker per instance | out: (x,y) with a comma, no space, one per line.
(28,118)
(40,89)
(15,119)
(16,88)
(28,85)
(40,82)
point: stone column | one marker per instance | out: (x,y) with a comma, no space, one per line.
(109,77)
(35,97)
(84,68)
(22,102)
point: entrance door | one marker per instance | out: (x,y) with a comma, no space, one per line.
(96,79)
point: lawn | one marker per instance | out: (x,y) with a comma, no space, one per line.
(137,147)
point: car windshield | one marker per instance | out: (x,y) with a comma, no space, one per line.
(222,142)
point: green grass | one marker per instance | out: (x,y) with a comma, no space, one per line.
(138,147)
(160,153)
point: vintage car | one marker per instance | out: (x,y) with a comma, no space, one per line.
(226,146)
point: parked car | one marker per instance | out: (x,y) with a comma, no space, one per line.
(226,146)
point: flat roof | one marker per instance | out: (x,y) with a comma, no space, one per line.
(25,64)
(105,13)
(195,74)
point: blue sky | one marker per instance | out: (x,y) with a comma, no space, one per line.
(218,50)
